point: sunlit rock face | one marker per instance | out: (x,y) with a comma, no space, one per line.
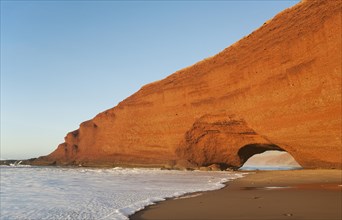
(279,87)
(222,139)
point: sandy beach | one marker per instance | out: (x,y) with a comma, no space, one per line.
(296,194)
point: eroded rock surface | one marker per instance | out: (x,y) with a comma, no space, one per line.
(222,139)
(279,87)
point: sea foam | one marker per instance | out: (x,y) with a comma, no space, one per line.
(79,193)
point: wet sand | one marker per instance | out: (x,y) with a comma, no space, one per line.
(296,194)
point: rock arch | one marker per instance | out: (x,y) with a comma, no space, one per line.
(271,160)
(249,150)
(222,139)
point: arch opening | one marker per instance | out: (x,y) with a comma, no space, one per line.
(266,157)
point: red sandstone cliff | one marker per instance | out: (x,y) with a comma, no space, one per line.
(277,88)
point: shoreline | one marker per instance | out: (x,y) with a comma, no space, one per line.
(290,194)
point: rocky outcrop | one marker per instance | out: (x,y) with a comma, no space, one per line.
(277,88)
(222,139)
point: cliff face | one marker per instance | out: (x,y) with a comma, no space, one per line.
(278,88)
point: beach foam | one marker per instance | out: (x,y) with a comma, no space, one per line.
(79,193)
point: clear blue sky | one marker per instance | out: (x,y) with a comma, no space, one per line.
(62,62)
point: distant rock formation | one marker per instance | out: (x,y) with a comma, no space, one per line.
(278,88)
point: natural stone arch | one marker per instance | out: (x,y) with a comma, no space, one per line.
(222,139)
(250,150)
(271,160)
